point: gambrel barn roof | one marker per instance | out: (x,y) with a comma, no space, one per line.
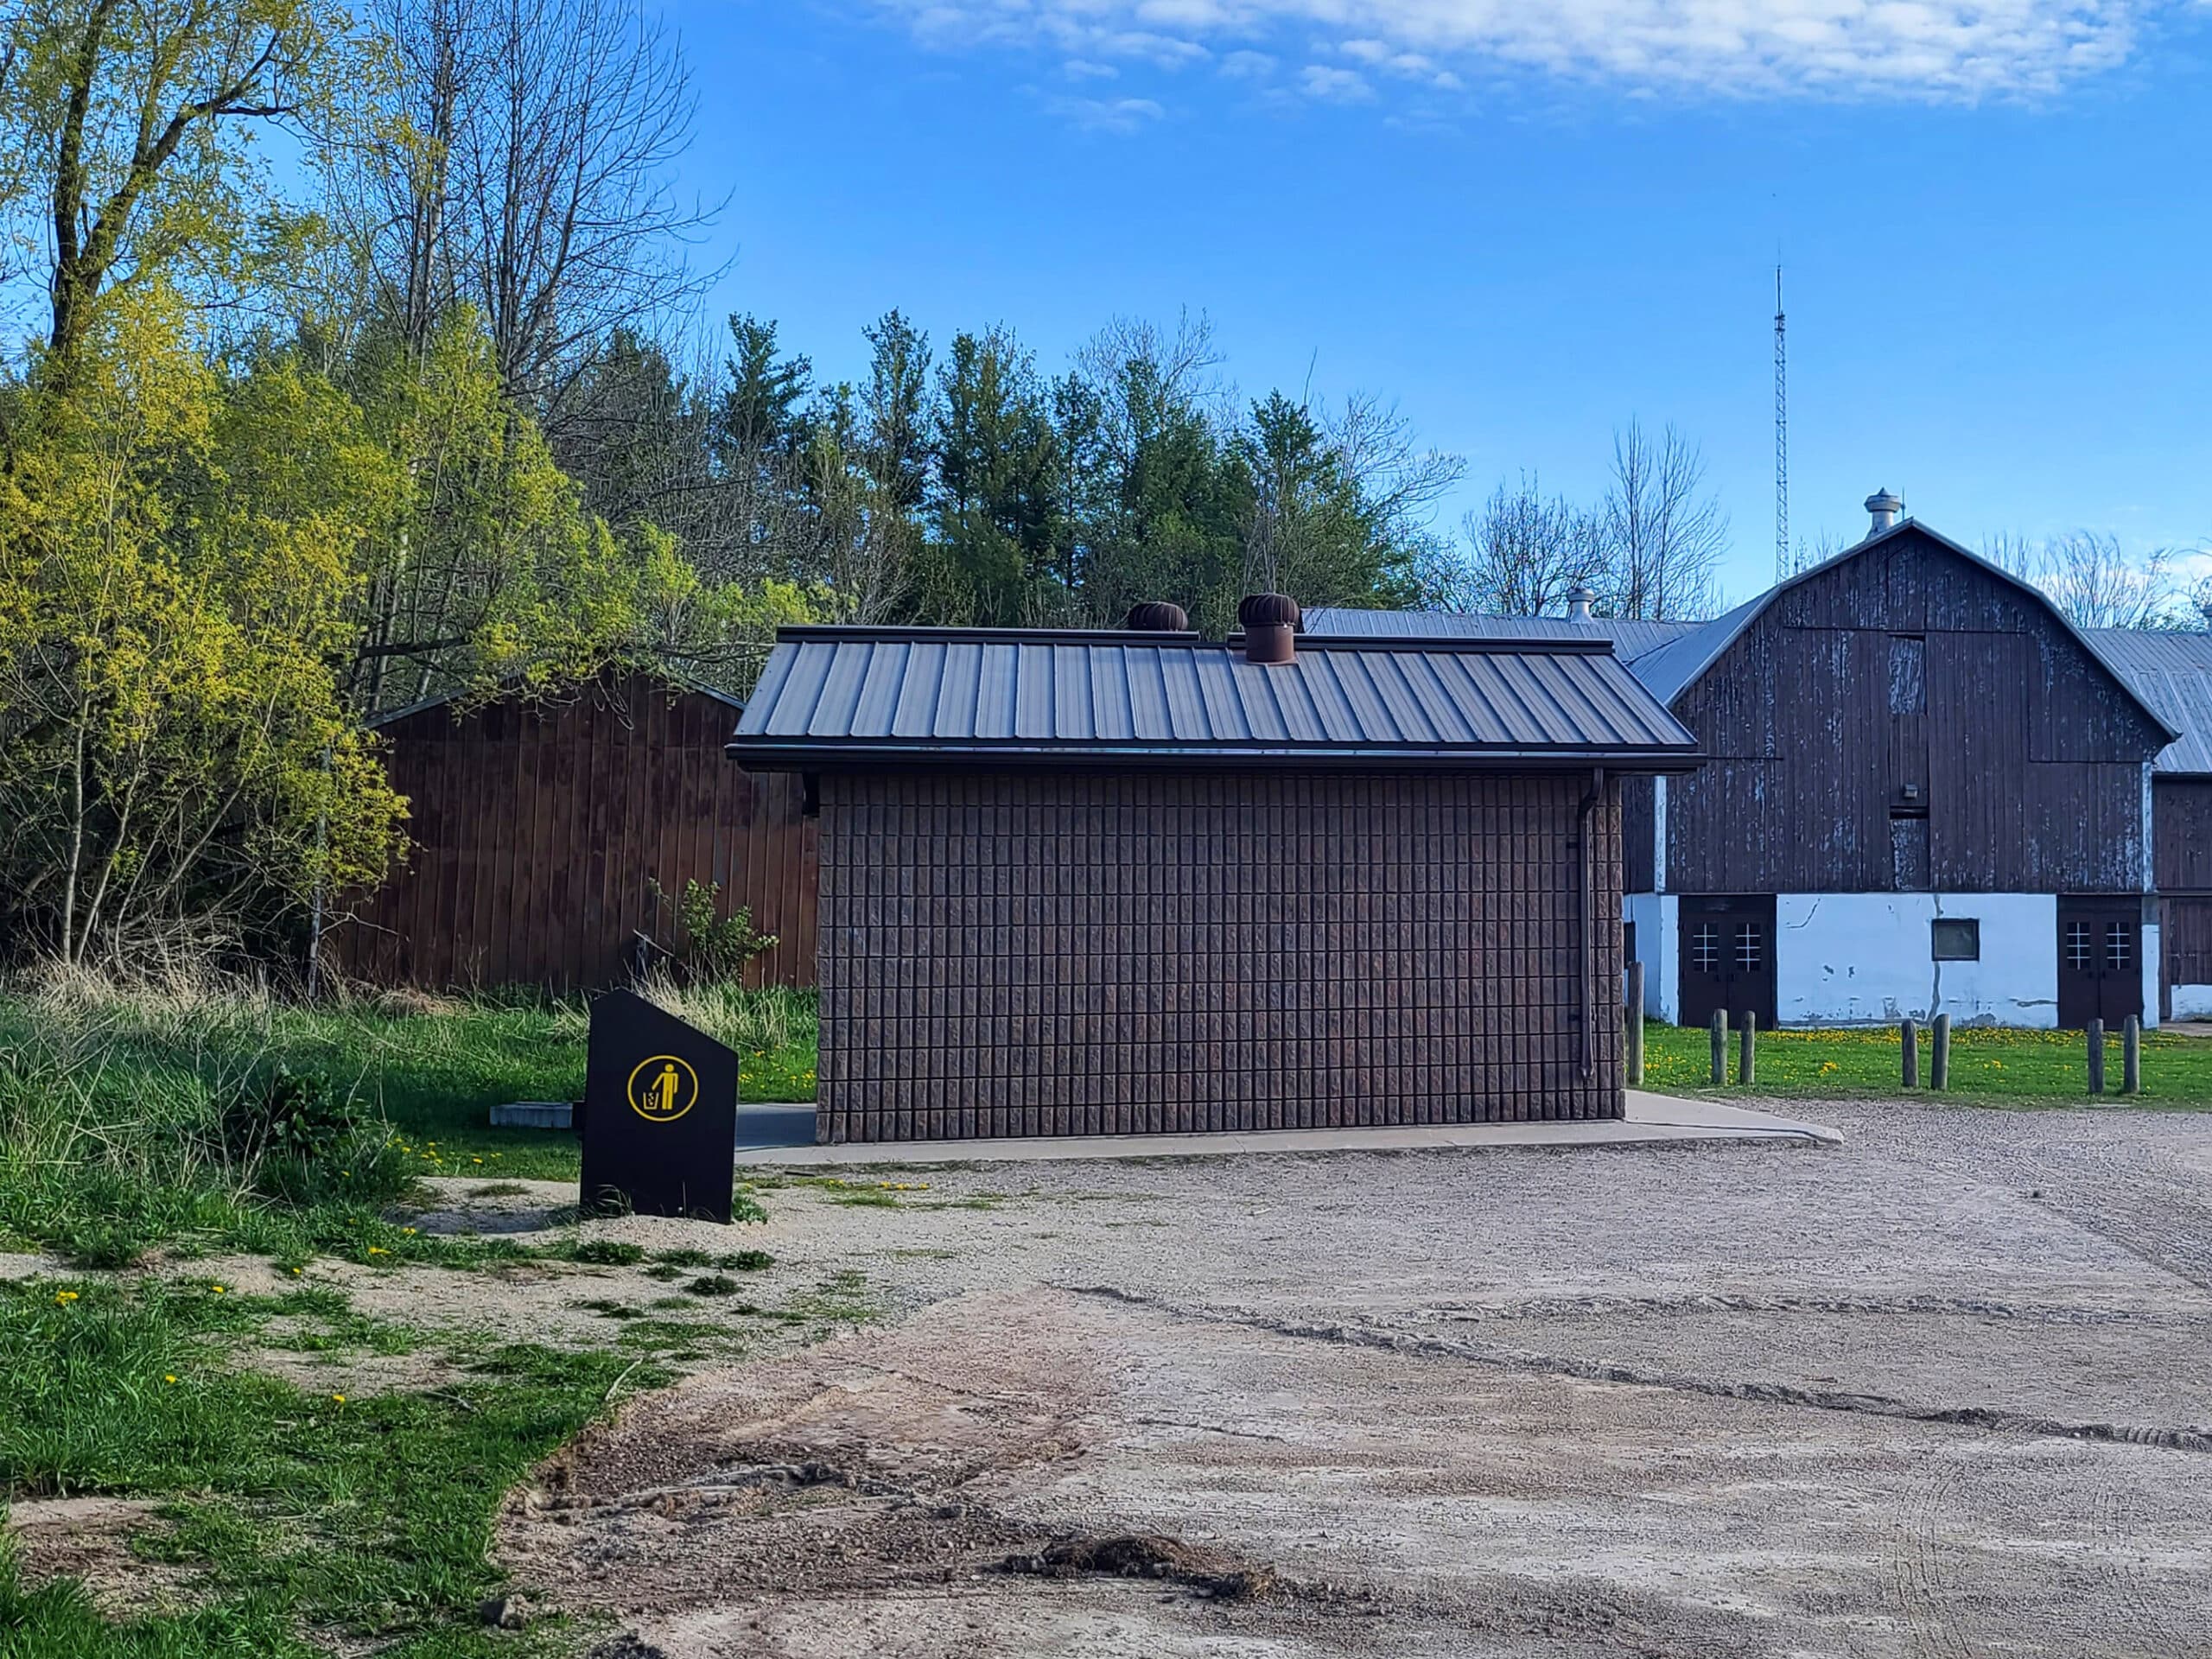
(2173,686)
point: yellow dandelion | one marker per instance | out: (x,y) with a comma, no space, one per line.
(339,1398)
(379,1249)
(409,1231)
(169,1379)
(63,1298)
(217,1289)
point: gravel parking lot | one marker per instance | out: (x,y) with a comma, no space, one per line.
(1943,1392)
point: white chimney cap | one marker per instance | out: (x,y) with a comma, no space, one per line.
(1884,507)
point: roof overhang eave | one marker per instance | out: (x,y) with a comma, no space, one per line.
(808,754)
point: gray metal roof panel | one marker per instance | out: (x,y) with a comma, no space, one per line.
(1632,637)
(937,692)
(2171,672)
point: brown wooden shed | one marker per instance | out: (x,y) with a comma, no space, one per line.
(1084,883)
(539,827)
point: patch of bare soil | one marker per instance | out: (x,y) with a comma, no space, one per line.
(89,1539)
(956,1486)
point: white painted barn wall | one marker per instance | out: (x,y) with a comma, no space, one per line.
(2153,954)
(1847,959)
(1657,936)
(2193,1001)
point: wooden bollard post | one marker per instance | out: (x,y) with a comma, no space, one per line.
(2096,1035)
(1720,1048)
(1910,1034)
(1634,1016)
(1747,1063)
(1939,1054)
(2131,1057)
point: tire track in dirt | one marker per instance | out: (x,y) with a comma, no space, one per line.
(1553,1307)
(1919,1581)
(2172,1438)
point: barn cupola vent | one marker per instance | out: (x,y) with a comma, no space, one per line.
(1270,623)
(1578,602)
(1885,508)
(1157,616)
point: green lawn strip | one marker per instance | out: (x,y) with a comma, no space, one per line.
(1988,1064)
(112,1114)
(371,1515)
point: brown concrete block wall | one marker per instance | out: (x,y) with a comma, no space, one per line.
(1026,954)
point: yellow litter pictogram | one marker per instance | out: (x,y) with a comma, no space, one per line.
(662,1089)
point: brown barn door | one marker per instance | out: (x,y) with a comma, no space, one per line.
(1727,958)
(2100,961)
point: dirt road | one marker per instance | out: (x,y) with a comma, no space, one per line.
(1946,1392)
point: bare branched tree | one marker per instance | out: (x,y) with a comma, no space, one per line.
(530,175)
(1139,368)
(1523,555)
(1665,532)
(1399,481)
(2094,582)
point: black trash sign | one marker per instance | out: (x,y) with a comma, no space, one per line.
(660,1114)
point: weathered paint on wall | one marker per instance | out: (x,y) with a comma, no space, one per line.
(1909,687)
(1658,933)
(2193,1001)
(1847,959)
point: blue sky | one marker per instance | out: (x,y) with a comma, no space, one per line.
(1526,223)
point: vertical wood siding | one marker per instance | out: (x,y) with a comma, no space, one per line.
(2182,808)
(538,832)
(1040,955)
(1910,665)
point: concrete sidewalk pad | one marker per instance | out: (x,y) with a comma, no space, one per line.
(784,1136)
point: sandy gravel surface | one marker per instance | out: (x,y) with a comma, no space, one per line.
(1945,1392)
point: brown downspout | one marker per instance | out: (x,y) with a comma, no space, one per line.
(1586,906)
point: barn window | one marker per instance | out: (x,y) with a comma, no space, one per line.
(2119,940)
(1705,948)
(1955,938)
(1747,945)
(2077,946)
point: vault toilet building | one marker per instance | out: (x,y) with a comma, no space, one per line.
(1113,882)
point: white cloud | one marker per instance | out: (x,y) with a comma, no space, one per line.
(1258,66)
(1084,69)
(1954,49)
(1107,114)
(1338,85)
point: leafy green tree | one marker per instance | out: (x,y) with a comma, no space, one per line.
(996,511)
(764,406)
(130,129)
(177,766)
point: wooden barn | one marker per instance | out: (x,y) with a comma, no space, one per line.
(1096,883)
(1924,792)
(539,830)
(2172,672)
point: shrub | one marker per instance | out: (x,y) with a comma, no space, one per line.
(715,947)
(296,1140)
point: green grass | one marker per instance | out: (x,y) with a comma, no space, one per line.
(292,1511)
(1988,1065)
(113,1105)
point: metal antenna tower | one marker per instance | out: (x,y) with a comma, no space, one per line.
(1782,561)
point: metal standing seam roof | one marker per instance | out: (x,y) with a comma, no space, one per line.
(929,694)
(1631,638)
(2171,672)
